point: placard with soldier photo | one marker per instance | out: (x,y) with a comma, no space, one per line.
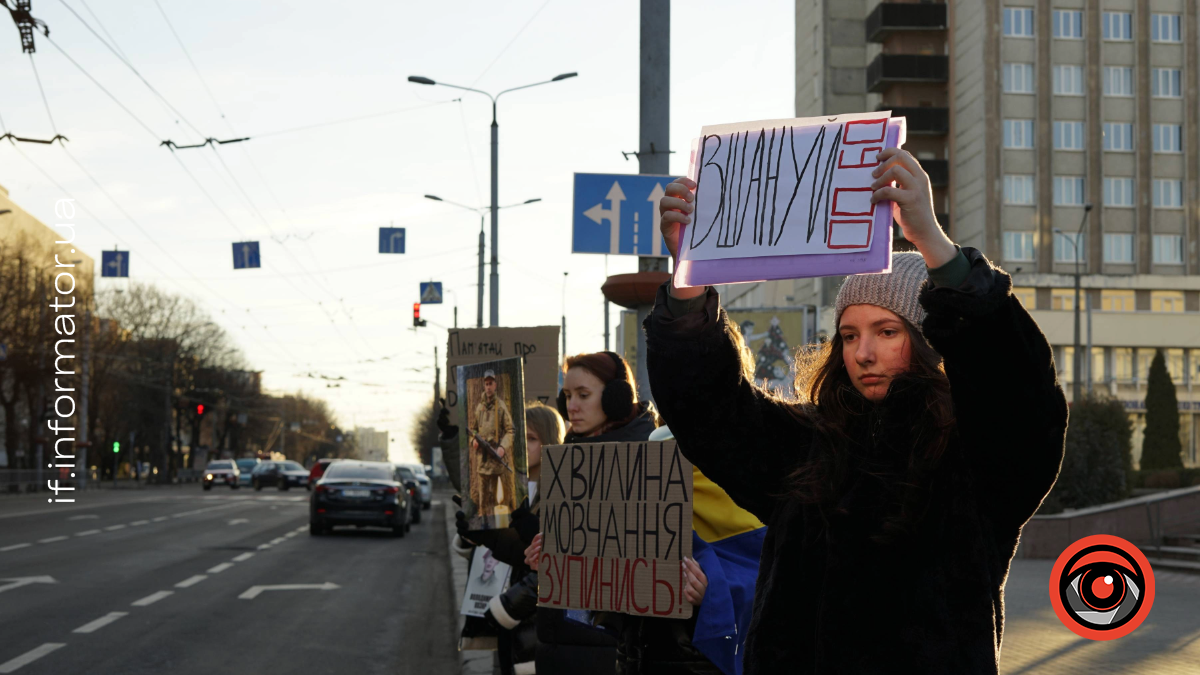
(492,458)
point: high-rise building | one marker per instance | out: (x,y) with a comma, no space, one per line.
(1023,113)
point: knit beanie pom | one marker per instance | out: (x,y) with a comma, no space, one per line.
(898,291)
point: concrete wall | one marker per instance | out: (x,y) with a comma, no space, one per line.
(20,226)
(969,118)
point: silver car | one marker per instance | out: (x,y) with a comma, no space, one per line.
(424,487)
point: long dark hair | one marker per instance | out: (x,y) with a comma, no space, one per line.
(832,405)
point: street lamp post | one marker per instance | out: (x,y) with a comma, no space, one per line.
(1076,380)
(494,319)
(480,210)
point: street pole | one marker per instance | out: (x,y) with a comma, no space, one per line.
(479,315)
(1091,377)
(494,316)
(84,388)
(564,316)
(1077,384)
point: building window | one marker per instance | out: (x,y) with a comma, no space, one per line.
(1174,359)
(1170,302)
(1068,135)
(1118,248)
(1096,367)
(1117,26)
(1168,249)
(1063,299)
(1118,136)
(1068,24)
(1117,301)
(1067,80)
(1118,192)
(1144,357)
(1167,194)
(1123,364)
(1018,246)
(1168,138)
(1018,133)
(1018,22)
(1027,295)
(1018,78)
(1018,189)
(1118,81)
(1065,246)
(1164,28)
(1066,365)
(1068,190)
(1165,83)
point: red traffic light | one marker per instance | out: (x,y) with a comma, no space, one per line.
(417,320)
(200,409)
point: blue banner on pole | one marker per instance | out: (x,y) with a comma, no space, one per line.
(617,214)
(431,292)
(114,263)
(245,255)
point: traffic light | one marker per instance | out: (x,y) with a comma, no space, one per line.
(200,409)
(116,447)
(417,320)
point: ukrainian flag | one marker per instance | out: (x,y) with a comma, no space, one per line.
(727,542)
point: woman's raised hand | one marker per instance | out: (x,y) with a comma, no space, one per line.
(900,178)
(534,552)
(675,210)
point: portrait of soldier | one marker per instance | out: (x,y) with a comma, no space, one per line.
(491,441)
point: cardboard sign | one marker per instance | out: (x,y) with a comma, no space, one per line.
(787,199)
(486,579)
(537,348)
(617,524)
(491,441)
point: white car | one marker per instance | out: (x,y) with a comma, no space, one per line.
(425,488)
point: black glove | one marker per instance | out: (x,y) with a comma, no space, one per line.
(443,422)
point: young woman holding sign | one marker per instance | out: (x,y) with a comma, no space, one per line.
(895,492)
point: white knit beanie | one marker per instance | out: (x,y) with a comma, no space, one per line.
(898,291)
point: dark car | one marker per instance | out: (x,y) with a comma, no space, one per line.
(282,474)
(408,479)
(223,472)
(318,470)
(360,493)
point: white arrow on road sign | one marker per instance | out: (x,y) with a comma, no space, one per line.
(255,591)
(18,582)
(655,218)
(238,521)
(613,214)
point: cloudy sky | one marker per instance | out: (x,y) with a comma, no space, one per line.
(326,303)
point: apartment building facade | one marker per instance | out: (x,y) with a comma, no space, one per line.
(1059,135)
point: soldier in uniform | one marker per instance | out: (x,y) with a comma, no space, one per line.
(495,425)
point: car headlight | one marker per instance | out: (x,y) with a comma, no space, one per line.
(208,477)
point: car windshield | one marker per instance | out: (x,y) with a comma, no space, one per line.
(358,471)
(417,469)
(247,463)
(406,474)
(291,466)
(263,466)
(220,465)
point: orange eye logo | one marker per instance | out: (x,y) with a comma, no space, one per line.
(1102,587)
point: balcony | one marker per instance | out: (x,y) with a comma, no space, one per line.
(923,121)
(889,17)
(889,69)
(938,171)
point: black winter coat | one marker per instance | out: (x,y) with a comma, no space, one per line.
(828,598)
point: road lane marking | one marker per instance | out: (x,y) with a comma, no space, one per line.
(87,533)
(151,599)
(238,521)
(111,528)
(219,568)
(139,522)
(30,656)
(15,547)
(263,547)
(160,519)
(86,516)
(243,557)
(51,540)
(191,581)
(254,591)
(93,626)
(436,502)
(277,540)
(18,582)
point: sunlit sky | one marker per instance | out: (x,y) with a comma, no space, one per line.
(326,303)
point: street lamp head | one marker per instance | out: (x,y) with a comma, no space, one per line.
(433,197)
(535,199)
(1057,231)
(420,80)
(1087,207)
(564,76)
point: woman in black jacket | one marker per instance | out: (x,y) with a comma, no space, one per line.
(895,494)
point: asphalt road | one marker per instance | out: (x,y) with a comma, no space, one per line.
(161,581)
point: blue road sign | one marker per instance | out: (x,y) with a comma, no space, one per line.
(391,240)
(114,263)
(431,292)
(617,214)
(245,255)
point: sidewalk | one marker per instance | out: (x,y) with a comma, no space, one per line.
(473,662)
(1167,643)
